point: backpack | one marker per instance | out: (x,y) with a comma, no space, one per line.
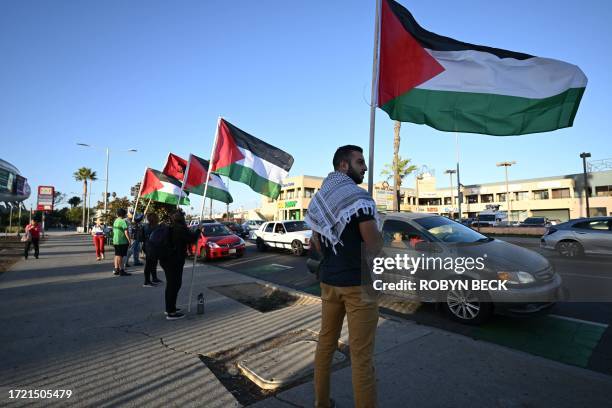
(159,243)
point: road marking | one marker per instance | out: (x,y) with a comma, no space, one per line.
(580,275)
(572,319)
(282,266)
(250,260)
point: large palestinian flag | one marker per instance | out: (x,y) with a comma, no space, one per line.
(249,160)
(450,85)
(176,166)
(160,187)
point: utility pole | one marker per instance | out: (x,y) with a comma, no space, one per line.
(584,156)
(506,165)
(450,173)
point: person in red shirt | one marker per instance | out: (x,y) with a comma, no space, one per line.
(33,229)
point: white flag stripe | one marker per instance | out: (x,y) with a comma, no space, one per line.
(262,167)
(170,188)
(215,181)
(482,72)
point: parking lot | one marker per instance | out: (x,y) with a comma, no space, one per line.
(576,333)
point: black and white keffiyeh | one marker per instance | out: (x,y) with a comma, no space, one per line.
(334,204)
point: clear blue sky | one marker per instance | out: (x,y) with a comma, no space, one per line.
(154,75)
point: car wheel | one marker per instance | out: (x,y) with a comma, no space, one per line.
(468,307)
(570,249)
(297,248)
(261,246)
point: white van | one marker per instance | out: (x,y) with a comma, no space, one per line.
(490,218)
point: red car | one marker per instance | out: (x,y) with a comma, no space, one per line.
(217,241)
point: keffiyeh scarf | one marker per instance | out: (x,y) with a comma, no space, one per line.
(332,208)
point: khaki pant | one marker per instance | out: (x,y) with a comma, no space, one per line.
(362,314)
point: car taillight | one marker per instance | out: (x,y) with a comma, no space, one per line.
(550,231)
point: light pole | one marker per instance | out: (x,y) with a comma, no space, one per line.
(506,165)
(107,160)
(450,173)
(584,156)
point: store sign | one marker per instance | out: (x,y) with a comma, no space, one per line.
(45,198)
(287,204)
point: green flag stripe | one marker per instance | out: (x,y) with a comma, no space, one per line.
(167,198)
(213,192)
(490,114)
(248,176)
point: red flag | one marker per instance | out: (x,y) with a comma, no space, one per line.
(175,166)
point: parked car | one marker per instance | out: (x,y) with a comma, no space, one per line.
(217,241)
(251,226)
(490,218)
(236,229)
(540,222)
(533,285)
(574,238)
(292,235)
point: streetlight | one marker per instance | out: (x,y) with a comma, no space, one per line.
(451,172)
(107,159)
(506,165)
(584,156)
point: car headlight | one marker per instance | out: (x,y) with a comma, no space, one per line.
(241,241)
(212,244)
(516,277)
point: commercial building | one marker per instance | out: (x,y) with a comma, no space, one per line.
(558,197)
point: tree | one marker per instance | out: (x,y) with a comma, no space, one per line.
(74,201)
(58,198)
(85,174)
(398,171)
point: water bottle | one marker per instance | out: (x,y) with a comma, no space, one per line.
(201,303)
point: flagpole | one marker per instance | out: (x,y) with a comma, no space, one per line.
(184,180)
(374,97)
(140,191)
(195,256)
(147,207)
(459,198)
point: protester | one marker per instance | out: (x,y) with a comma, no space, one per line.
(135,232)
(150,249)
(343,217)
(121,241)
(32,238)
(178,238)
(97,232)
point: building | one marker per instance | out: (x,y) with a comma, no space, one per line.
(14,188)
(558,197)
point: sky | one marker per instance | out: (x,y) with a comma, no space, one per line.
(155,76)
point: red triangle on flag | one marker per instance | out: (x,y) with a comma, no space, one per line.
(226,150)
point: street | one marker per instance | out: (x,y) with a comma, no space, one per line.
(574,332)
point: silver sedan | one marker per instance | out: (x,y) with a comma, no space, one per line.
(592,236)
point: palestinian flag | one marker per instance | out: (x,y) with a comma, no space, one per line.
(159,187)
(249,160)
(196,177)
(450,85)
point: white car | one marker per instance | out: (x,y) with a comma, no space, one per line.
(251,226)
(292,235)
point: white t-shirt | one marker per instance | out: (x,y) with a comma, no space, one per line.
(97,230)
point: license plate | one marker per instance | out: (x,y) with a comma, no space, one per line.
(232,251)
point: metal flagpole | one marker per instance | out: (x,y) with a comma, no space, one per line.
(459,197)
(184,180)
(140,191)
(147,207)
(374,97)
(195,256)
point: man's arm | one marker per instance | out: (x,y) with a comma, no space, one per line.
(371,237)
(315,242)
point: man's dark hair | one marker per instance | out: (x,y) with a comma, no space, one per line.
(178,217)
(121,212)
(344,154)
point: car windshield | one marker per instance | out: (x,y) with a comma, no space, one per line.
(215,230)
(450,231)
(486,217)
(294,226)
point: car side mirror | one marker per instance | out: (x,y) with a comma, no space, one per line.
(424,246)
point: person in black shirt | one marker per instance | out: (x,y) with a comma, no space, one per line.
(344,220)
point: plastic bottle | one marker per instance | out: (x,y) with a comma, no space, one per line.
(201,303)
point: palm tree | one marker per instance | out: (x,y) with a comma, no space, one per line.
(398,170)
(85,174)
(74,201)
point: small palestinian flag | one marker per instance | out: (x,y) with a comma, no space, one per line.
(162,188)
(450,85)
(196,177)
(249,160)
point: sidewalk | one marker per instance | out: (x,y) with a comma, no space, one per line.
(67,323)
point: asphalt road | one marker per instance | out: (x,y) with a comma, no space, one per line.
(567,326)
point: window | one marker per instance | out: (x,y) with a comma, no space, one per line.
(603,191)
(472,199)
(289,194)
(599,225)
(560,193)
(296,226)
(501,197)
(400,234)
(270,227)
(447,201)
(450,231)
(430,201)
(486,198)
(308,192)
(279,229)
(540,194)
(521,195)
(281,195)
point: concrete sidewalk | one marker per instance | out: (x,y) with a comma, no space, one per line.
(67,323)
